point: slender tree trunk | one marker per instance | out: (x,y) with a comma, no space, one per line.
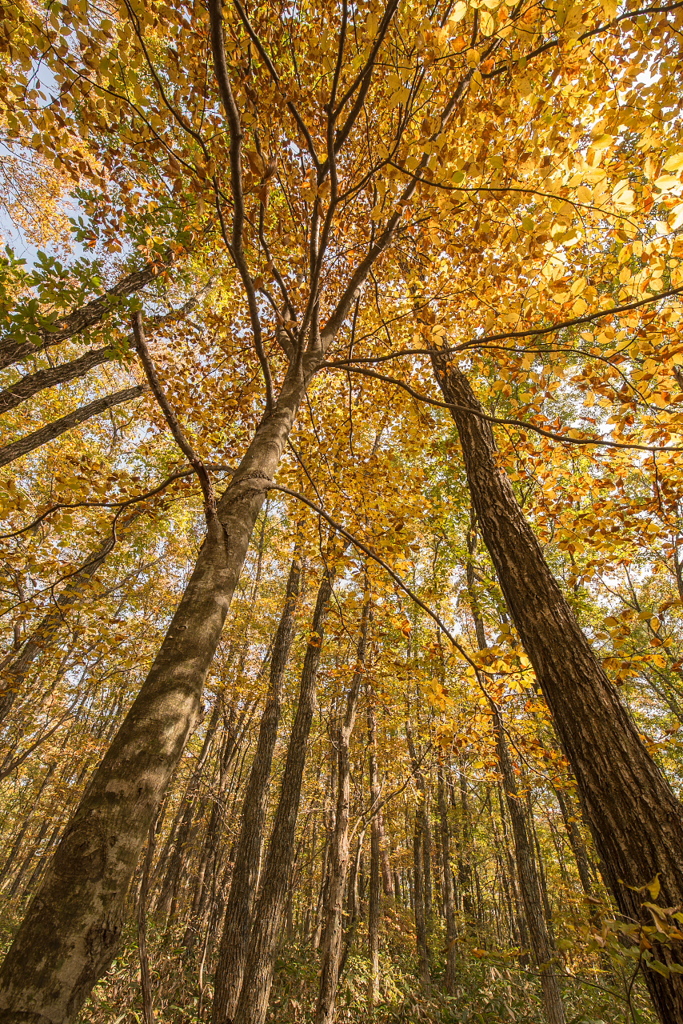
(464,868)
(419,900)
(234,732)
(71,930)
(339,854)
(448,894)
(238,913)
(16,845)
(145,974)
(635,818)
(576,842)
(421,836)
(258,973)
(375,900)
(174,852)
(529,882)
(30,442)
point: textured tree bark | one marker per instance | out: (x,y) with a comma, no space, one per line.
(30,442)
(339,852)
(529,882)
(635,819)
(29,386)
(71,930)
(448,894)
(258,973)
(238,913)
(81,319)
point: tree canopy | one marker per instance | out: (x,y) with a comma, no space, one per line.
(341,482)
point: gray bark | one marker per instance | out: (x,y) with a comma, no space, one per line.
(13,349)
(29,386)
(50,431)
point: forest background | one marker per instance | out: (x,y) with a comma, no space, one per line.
(342,580)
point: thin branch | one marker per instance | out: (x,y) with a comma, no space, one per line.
(525,425)
(276,78)
(376,558)
(235,130)
(171,418)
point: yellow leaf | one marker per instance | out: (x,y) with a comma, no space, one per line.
(675,218)
(674,163)
(459,12)
(602,141)
(654,887)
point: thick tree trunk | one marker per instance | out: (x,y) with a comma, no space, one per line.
(238,914)
(339,852)
(635,819)
(258,973)
(30,442)
(29,386)
(72,927)
(448,894)
(529,883)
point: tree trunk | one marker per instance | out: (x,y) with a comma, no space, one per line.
(72,927)
(258,973)
(233,735)
(576,842)
(421,836)
(375,899)
(30,442)
(237,920)
(448,894)
(145,974)
(339,853)
(174,852)
(635,819)
(529,882)
(419,900)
